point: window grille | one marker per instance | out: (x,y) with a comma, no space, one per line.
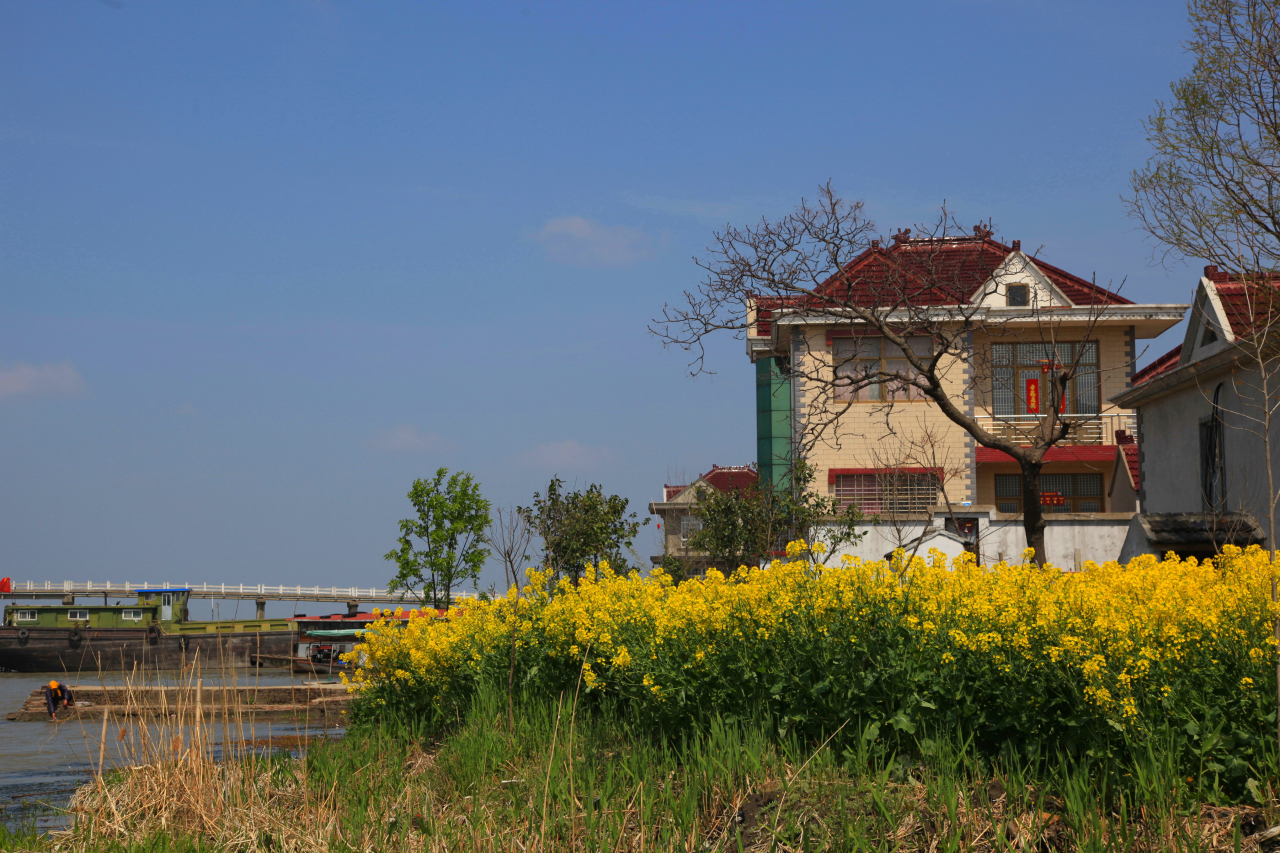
(689,525)
(857,359)
(888,492)
(1014,364)
(1080,492)
(78,615)
(131,615)
(27,616)
(1019,294)
(1213,472)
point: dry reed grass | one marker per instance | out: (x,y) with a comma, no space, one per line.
(564,782)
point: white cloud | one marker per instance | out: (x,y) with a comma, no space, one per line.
(41,380)
(407,439)
(566,456)
(579,241)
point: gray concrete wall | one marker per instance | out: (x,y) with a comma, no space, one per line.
(1170,442)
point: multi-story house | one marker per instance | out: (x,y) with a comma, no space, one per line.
(895,453)
(678,520)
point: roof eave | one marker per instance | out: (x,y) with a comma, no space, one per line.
(1174,379)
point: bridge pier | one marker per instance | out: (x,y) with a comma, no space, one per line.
(262,608)
(353,607)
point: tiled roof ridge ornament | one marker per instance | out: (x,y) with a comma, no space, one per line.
(902,236)
(983,231)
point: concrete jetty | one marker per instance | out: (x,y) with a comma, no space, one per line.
(320,704)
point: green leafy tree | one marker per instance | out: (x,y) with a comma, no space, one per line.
(746,525)
(578,528)
(444,546)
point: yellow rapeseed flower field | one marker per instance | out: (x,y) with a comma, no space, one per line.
(1006,652)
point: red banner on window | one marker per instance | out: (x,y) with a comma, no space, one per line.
(1033,396)
(1052,499)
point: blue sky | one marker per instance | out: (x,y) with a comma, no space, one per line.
(262,264)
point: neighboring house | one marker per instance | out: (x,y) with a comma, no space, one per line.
(910,464)
(1126,477)
(1201,452)
(678,520)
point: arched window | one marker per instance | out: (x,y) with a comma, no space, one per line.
(1213,468)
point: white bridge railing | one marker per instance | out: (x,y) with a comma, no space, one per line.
(57,589)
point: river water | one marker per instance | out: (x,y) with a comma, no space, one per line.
(41,763)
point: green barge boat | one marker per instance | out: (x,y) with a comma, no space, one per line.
(153,632)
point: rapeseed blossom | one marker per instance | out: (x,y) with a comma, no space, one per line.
(1010,650)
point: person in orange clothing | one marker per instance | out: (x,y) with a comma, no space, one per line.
(55,694)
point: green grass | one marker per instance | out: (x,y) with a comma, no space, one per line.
(566,779)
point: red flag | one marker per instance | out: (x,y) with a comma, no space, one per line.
(1033,396)
(5,585)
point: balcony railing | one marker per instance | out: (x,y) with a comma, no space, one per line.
(1085,429)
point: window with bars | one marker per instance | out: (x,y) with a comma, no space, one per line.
(1213,470)
(858,358)
(689,525)
(27,616)
(1014,364)
(887,493)
(1058,493)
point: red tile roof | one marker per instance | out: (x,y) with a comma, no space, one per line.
(1130,452)
(1249,308)
(1249,305)
(1057,453)
(929,272)
(1163,364)
(725,478)
(731,477)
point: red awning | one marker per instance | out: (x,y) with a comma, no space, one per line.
(1057,453)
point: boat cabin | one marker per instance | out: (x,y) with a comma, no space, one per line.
(165,607)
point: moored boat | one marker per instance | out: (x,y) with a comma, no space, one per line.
(153,632)
(323,640)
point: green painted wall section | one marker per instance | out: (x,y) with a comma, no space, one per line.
(773,420)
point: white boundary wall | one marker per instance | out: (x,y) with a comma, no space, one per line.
(1069,539)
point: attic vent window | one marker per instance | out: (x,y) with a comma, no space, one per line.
(1019,295)
(1209,336)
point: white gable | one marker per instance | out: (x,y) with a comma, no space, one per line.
(689,495)
(1017,268)
(1207,329)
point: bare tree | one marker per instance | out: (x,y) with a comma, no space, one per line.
(1211,188)
(921,447)
(511,536)
(809,268)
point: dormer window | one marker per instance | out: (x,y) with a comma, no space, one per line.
(1209,336)
(1019,295)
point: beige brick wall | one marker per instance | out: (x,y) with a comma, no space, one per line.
(917,433)
(907,434)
